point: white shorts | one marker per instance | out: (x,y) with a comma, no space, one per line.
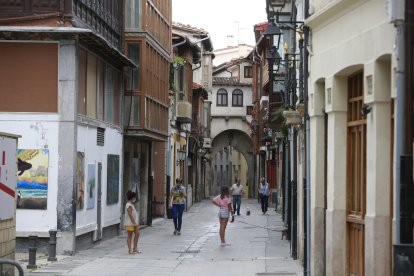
(224,213)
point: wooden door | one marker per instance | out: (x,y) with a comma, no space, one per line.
(356,175)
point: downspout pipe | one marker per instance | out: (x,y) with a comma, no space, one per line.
(307,153)
(399,128)
(180,43)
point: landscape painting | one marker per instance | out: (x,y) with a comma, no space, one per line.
(32,178)
(112,179)
(91,186)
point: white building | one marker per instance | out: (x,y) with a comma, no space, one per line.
(351,99)
(231,105)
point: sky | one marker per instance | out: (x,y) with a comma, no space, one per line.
(221,18)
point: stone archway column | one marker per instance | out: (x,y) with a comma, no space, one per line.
(336,234)
(377,218)
(317,179)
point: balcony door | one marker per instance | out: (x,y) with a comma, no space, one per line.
(356,176)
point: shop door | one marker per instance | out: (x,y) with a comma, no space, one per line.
(356,175)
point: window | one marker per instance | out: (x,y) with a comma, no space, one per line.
(132,14)
(249,110)
(181,80)
(248,72)
(237,97)
(133,74)
(112,95)
(222,97)
(132,116)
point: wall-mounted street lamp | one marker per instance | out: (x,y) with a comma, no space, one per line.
(273,31)
(180,156)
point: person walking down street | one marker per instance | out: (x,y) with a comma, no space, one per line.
(236,191)
(224,203)
(177,203)
(264,194)
(131,222)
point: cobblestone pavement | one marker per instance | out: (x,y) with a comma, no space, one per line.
(256,249)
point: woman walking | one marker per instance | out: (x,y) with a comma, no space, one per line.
(224,203)
(177,203)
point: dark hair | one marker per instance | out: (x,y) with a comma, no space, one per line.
(224,190)
(130,195)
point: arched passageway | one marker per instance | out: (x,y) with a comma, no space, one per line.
(232,156)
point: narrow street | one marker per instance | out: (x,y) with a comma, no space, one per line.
(256,248)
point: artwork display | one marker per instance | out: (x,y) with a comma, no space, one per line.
(80,181)
(91,186)
(112,179)
(32,178)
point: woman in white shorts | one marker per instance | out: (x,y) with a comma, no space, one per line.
(224,203)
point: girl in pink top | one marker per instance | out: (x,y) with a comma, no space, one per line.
(224,202)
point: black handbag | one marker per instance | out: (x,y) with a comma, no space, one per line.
(169,213)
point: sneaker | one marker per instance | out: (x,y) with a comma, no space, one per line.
(175,232)
(225,244)
(178,233)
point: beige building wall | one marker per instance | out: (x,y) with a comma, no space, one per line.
(346,37)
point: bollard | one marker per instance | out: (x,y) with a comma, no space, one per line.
(52,246)
(32,252)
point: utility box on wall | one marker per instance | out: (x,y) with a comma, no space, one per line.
(8,171)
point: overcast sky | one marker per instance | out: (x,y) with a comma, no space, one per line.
(221,18)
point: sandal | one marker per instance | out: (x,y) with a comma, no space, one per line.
(136,251)
(131,252)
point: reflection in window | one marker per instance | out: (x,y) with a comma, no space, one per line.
(222,97)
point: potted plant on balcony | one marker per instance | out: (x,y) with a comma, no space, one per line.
(293,117)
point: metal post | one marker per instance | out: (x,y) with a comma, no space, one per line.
(52,246)
(32,252)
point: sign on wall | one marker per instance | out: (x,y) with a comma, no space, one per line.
(32,178)
(7,176)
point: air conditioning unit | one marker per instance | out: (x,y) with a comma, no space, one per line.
(207,143)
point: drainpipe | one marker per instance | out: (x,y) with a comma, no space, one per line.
(399,127)
(186,168)
(307,154)
(180,43)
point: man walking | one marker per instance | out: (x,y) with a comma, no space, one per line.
(264,194)
(236,191)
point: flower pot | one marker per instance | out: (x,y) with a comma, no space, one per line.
(293,117)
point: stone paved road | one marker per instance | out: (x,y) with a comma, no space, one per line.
(256,249)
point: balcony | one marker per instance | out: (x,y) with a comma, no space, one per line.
(184,111)
(102,17)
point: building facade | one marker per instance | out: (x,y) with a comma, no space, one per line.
(352,104)
(232,154)
(61,78)
(148,26)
